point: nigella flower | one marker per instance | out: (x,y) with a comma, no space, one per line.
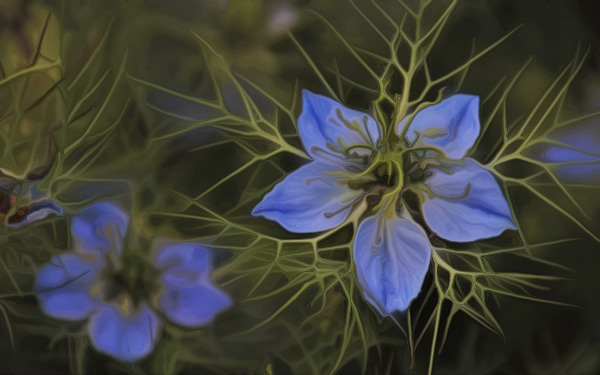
(356,169)
(571,152)
(120,292)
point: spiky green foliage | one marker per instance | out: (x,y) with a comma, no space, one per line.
(193,143)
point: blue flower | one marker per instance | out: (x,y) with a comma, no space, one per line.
(572,152)
(357,170)
(25,205)
(119,291)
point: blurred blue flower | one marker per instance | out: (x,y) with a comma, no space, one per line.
(25,204)
(355,168)
(571,152)
(118,290)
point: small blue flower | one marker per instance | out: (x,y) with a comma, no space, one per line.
(25,205)
(120,292)
(571,152)
(355,168)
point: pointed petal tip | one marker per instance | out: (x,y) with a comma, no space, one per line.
(468,96)
(306,93)
(471,98)
(308,97)
(313,100)
(468,101)
(391,274)
(258,210)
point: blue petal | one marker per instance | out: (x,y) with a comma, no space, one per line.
(579,173)
(468,204)
(38,212)
(573,153)
(308,200)
(193,306)
(99,227)
(392,258)
(557,154)
(189,297)
(184,264)
(62,287)
(584,136)
(326,127)
(570,165)
(451,125)
(126,338)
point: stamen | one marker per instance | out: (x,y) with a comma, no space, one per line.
(324,154)
(399,183)
(433,133)
(359,147)
(354,126)
(329,215)
(337,158)
(464,195)
(366,171)
(418,189)
(365,120)
(333,147)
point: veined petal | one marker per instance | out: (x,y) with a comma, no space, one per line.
(468,204)
(99,227)
(126,338)
(392,257)
(451,125)
(189,297)
(308,200)
(62,287)
(327,128)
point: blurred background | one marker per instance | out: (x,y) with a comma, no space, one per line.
(115,100)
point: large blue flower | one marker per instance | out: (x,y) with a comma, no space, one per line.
(120,292)
(356,167)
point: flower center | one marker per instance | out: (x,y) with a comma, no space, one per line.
(389,169)
(416,164)
(384,172)
(132,280)
(383,178)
